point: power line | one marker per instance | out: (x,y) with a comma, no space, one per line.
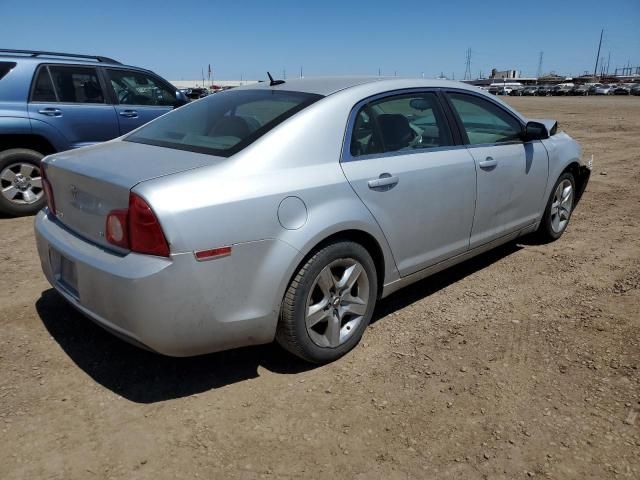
(595,69)
(467,71)
(540,65)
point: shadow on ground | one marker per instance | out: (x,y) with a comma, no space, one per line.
(146,377)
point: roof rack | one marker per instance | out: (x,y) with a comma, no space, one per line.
(37,53)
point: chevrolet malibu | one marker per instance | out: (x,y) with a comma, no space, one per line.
(285,210)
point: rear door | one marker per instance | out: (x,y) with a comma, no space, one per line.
(512,174)
(72,99)
(139,97)
(401,161)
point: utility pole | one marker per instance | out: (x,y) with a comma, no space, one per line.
(540,65)
(595,69)
(467,70)
(378,71)
(300,71)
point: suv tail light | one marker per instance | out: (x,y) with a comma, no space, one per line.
(137,229)
(48,191)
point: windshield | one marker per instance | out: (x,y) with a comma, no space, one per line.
(224,123)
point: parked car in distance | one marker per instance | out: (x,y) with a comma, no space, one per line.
(51,102)
(579,90)
(516,91)
(196,93)
(226,223)
(561,90)
(530,91)
(635,90)
(592,88)
(622,89)
(543,91)
(604,90)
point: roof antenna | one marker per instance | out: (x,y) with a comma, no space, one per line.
(273,82)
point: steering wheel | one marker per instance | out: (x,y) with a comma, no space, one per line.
(123,96)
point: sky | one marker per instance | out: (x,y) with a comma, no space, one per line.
(245,39)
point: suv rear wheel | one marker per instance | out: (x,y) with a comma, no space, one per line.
(21,191)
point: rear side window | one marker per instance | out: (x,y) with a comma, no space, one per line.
(483,121)
(402,122)
(224,123)
(76,84)
(43,88)
(6,67)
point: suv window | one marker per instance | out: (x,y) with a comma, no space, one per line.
(484,121)
(224,123)
(43,88)
(136,88)
(6,67)
(76,84)
(402,122)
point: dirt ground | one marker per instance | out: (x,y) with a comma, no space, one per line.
(521,363)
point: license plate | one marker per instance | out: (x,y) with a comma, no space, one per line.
(65,272)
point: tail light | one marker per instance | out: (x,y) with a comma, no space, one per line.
(137,229)
(48,191)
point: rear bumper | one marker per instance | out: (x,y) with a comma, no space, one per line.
(175,306)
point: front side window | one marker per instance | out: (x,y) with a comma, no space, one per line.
(402,122)
(224,123)
(76,84)
(43,90)
(483,121)
(136,88)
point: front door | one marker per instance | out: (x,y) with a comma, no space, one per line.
(512,174)
(402,164)
(140,97)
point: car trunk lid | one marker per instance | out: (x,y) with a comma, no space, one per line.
(89,183)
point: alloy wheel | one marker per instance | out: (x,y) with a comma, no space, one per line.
(337,302)
(21,183)
(561,206)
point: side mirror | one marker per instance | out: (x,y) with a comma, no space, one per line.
(181,99)
(534,131)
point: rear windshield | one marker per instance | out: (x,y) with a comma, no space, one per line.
(224,123)
(6,67)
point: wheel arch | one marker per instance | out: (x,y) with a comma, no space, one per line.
(362,237)
(37,143)
(581,176)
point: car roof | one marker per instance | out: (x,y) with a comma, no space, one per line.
(330,85)
(50,59)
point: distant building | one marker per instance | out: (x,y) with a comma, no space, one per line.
(213,84)
(495,74)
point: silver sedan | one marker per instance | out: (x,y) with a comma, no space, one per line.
(285,210)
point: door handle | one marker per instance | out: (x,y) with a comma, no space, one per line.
(383,183)
(488,163)
(51,112)
(129,113)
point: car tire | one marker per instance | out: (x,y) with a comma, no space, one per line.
(329,303)
(21,191)
(559,209)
